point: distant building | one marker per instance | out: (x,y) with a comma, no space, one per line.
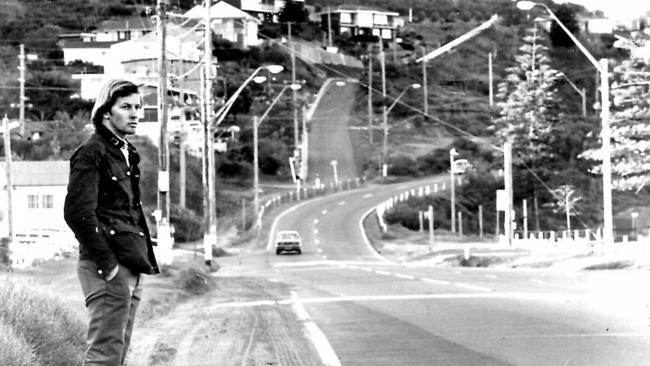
(38,194)
(361,21)
(230,23)
(264,10)
(123,29)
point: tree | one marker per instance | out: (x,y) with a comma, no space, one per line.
(566,14)
(293,11)
(630,127)
(565,201)
(529,103)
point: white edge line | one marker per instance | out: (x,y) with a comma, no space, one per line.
(317,337)
(367,241)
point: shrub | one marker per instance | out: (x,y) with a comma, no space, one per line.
(402,166)
(44,322)
(404,214)
(14,349)
(187,225)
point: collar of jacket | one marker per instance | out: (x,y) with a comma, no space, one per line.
(113,140)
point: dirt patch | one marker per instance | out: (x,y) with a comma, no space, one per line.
(222,327)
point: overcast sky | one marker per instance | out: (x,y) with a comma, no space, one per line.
(615,8)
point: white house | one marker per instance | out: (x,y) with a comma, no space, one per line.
(229,22)
(361,20)
(260,9)
(123,29)
(93,47)
(38,193)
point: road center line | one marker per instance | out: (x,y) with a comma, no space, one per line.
(473,287)
(408,277)
(437,282)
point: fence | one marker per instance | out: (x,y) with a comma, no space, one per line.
(38,245)
(424,190)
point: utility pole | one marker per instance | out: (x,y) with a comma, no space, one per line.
(425,91)
(370,111)
(490,79)
(21,111)
(163,225)
(384,153)
(256,174)
(209,188)
(181,140)
(296,132)
(7,148)
(329,26)
(507,176)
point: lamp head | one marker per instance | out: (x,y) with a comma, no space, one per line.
(274,69)
(525,5)
(259,79)
(340,83)
(416,86)
(295,86)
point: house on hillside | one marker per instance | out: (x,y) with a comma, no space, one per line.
(360,21)
(38,193)
(123,29)
(264,10)
(230,23)
(94,46)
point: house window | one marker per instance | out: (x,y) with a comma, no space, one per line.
(32,201)
(346,18)
(48,201)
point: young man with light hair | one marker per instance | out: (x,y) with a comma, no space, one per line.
(104,211)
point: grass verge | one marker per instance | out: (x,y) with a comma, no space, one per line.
(43,320)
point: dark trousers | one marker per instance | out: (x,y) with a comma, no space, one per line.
(111,307)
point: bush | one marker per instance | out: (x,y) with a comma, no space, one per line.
(187,225)
(402,166)
(14,349)
(45,324)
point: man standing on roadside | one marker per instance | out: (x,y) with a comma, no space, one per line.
(104,211)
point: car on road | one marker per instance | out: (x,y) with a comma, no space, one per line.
(288,241)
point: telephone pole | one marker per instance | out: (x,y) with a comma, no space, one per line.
(425,91)
(370,109)
(296,132)
(163,224)
(209,186)
(21,111)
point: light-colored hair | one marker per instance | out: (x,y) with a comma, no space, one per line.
(111,91)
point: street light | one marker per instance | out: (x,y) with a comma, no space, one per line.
(210,234)
(452,185)
(582,92)
(256,123)
(603,68)
(384,153)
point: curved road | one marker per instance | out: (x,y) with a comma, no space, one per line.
(373,312)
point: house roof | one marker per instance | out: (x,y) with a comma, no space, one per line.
(37,173)
(356,8)
(220,10)
(80,44)
(134,22)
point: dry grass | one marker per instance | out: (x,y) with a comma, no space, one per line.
(43,319)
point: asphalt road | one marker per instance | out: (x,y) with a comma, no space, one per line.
(373,312)
(329,136)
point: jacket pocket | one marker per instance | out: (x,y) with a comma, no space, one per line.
(129,244)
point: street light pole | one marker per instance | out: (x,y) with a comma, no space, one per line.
(256,123)
(603,68)
(452,185)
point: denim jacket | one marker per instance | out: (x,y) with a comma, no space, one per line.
(103,206)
